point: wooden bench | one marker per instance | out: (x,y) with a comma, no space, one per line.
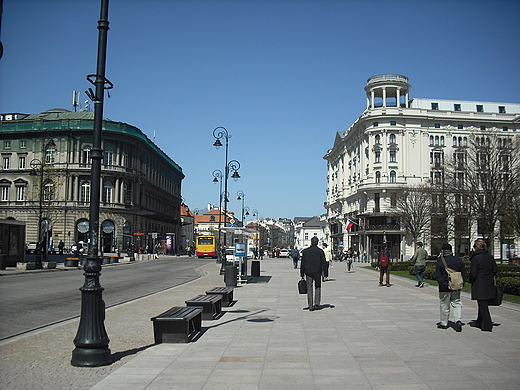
(211,305)
(225,292)
(177,325)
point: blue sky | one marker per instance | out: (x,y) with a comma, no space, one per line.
(281,76)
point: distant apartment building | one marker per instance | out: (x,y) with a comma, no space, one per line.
(45,181)
(398,142)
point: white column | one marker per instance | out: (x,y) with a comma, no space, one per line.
(117,191)
(406,102)
(372,97)
(398,97)
(384,97)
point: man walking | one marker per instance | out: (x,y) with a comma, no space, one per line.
(295,254)
(419,262)
(312,264)
(449,298)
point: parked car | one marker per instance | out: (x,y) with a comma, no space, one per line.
(284,253)
(31,247)
(80,248)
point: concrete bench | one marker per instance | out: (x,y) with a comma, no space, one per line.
(177,325)
(225,292)
(211,305)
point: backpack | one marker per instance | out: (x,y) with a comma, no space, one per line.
(383,260)
(455,280)
(295,254)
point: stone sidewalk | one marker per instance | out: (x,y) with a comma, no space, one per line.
(364,337)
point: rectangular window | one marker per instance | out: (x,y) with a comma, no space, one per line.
(5,194)
(393,123)
(460,127)
(6,163)
(482,127)
(23,144)
(378,157)
(437,125)
(376,124)
(7,144)
(435,106)
(393,200)
(20,193)
(377,198)
(393,156)
(21,162)
(501,109)
(306,236)
(505,128)
(456,107)
(480,108)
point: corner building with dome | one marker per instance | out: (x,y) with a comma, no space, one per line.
(398,142)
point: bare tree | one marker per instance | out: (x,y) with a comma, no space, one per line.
(484,175)
(414,206)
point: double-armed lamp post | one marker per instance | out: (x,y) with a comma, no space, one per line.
(231,166)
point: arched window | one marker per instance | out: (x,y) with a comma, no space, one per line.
(109,155)
(392,138)
(107,192)
(124,161)
(442,140)
(378,139)
(436,140)
(392,177)
(431,139)
(454,141)
(84,196)
(378,177)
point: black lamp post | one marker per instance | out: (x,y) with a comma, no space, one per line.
(233,165)
(217,178)
(256,215)
(241,196)
(91,340)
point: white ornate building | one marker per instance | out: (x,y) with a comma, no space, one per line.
(397,142)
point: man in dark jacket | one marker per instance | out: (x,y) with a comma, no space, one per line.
(449,298)
(312,265)
(482,278)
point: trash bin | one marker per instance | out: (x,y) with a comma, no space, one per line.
(230,276)
(255,268)
(3,261)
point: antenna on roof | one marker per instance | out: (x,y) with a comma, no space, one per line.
(75,100)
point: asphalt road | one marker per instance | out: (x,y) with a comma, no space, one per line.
(32,300)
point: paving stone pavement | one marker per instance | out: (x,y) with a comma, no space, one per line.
(364,337)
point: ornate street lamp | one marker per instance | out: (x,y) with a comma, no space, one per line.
(241,196)
(91,340)
(217,178)
(233,165)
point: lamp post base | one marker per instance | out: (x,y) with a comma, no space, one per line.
(85,357)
